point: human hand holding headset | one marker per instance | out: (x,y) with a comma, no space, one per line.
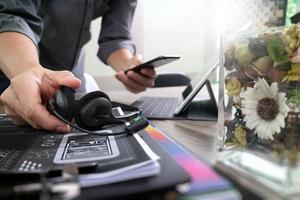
(92,112)
(24,100)
(25,103)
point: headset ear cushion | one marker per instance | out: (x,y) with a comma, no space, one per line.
(64,102)
(93,110)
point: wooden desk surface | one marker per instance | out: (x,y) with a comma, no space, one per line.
(197,136)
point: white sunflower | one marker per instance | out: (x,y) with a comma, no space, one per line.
(264,108)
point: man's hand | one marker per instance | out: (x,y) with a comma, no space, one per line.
(135,82)
(28,93)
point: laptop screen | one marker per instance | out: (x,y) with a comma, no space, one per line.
(198,81)
(200,77)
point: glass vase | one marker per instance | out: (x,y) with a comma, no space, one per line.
(259,110)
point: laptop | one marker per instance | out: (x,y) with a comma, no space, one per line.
(184,106)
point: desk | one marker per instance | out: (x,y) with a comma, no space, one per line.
(199,137)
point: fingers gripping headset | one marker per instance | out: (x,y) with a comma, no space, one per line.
(93,112)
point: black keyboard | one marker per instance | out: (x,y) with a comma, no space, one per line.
(157,107)
(8,157)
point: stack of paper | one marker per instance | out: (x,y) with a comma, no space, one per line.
(117,158)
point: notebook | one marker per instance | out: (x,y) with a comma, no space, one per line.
(126,164)
(172,178)
(24,150)
(171,107)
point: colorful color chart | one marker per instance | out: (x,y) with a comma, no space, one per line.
(204,178)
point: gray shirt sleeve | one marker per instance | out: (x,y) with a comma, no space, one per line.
(21,16)
(116,27)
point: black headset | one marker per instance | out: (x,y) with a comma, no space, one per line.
(93,112)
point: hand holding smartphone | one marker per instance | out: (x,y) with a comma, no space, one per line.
(156,62)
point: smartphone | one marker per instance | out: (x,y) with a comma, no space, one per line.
(156,62)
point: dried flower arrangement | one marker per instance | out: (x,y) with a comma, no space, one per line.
(263,85)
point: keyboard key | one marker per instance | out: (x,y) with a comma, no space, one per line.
(157,106)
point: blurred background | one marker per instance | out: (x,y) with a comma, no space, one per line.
(189,28)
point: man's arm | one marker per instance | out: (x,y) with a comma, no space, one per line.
(31,84)
(17,54)
(117,48)
(116,31)
(20,32)
(122,59)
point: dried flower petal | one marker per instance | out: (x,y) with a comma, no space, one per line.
(291,38)
(276,50)
(263,65)
(240,136)
(296,56)
(243,55)
(229,58)
(294,96)
(293,74)
(258,47)
(233,86)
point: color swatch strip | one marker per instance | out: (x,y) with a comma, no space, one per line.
(204,178)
